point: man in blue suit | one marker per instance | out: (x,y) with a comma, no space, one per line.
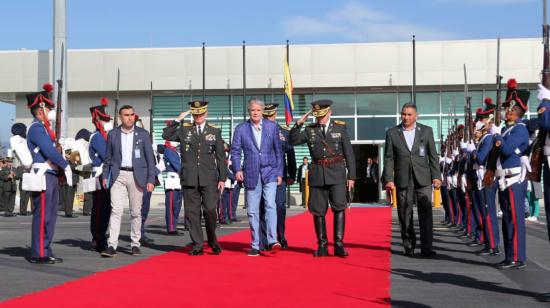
(129,169)
(261,171)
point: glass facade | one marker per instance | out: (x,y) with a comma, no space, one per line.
(368,115)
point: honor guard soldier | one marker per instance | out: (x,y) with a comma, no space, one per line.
(18,144)
(289,176)
(511,170)
(332,155)
(48,165)
(7,175)
(486,195)
(82,145)
(203,172)
(172,185)
(101,198)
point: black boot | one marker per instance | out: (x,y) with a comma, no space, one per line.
(339,227)
(322,241)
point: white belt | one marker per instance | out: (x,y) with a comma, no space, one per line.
(547,150)
(173,175)
(504,183)
(44,166)
(507,171)
(97,170)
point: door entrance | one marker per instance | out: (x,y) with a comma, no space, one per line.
(366,187)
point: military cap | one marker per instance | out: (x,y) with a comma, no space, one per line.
(270,109)
(83,134)
(99,113)
(41,99)
(321,107)
(161,148)
(19,129)
(484,114)
(198,107)
(515,96)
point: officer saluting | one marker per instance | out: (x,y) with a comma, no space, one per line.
(203,172)
(47,161)
(331,152)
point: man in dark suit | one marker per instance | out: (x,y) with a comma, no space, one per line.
(203,172)
(303,170)
(332,174)
(129,169)
(411,166)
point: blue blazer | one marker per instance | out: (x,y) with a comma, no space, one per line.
(144,165)
(265,160)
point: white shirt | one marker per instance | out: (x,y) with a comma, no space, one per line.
(326,127)
(409,135)
(257,131)
(201,127)
(126,147)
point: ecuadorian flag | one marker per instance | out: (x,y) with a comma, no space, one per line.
(289,88)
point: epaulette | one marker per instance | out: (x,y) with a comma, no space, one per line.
(312,125)
(339,122)
(285,127)
(212,125)
(187,124)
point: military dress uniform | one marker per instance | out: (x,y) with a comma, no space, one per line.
(101,197)
(544,131)
(203,166)
(46,158)
(7,175)
(514,143)
(174,194)
(332,157)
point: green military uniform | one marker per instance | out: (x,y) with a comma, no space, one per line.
(333,164)
(9,188)
(203,166)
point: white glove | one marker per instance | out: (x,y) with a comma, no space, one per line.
(448,160)
(455,153)
(463,183)
(525,167)
(69,175)
(463,145)
(470,147)
(160,166)
(455,180)
(496,129)
(529,187)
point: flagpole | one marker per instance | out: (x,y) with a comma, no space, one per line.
(203,72)
(414,71)
(244,80)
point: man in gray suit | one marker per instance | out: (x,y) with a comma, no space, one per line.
(129,170)
(411,166)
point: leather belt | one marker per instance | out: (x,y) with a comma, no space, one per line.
(127,169)
(329,161)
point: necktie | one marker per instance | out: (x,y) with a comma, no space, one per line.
(200,131)
(323,130)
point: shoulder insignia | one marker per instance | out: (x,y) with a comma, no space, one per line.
(212,125)
(285,127)
(339,122)
(187,124)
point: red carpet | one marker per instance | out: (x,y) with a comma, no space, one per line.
(290,278)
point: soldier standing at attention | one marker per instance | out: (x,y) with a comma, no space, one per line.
(203,172)
(332,155)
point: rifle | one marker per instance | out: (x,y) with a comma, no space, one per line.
(489,176)
(151,113)
(59,112)
(117,97)
(468,131)
(538,145)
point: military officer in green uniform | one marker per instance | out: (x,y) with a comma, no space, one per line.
(332,172)
(203,172)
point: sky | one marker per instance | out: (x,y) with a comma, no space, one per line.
(176,23)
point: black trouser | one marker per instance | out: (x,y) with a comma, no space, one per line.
(9,201)
(67,198)
(303,191)
(88,203)
(320,196)
(195,199)
(406,198)
(101,213)
(24,199)
(371,191)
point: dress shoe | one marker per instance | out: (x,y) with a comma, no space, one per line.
(408,252)
(428,253)
(56,259)
(501,263)
(44,260)
(520,265)
(253,252)
(146,240)
(495,252)
(507,265)
(484,252)
(135,251)
(196,251)
(109,252)
(173,233)
(545,297)
(216,249)
(284,244)
(322,251)
(10,215)
(474,244)
(71,216)
(23,214)
(339,251)
(274,247)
